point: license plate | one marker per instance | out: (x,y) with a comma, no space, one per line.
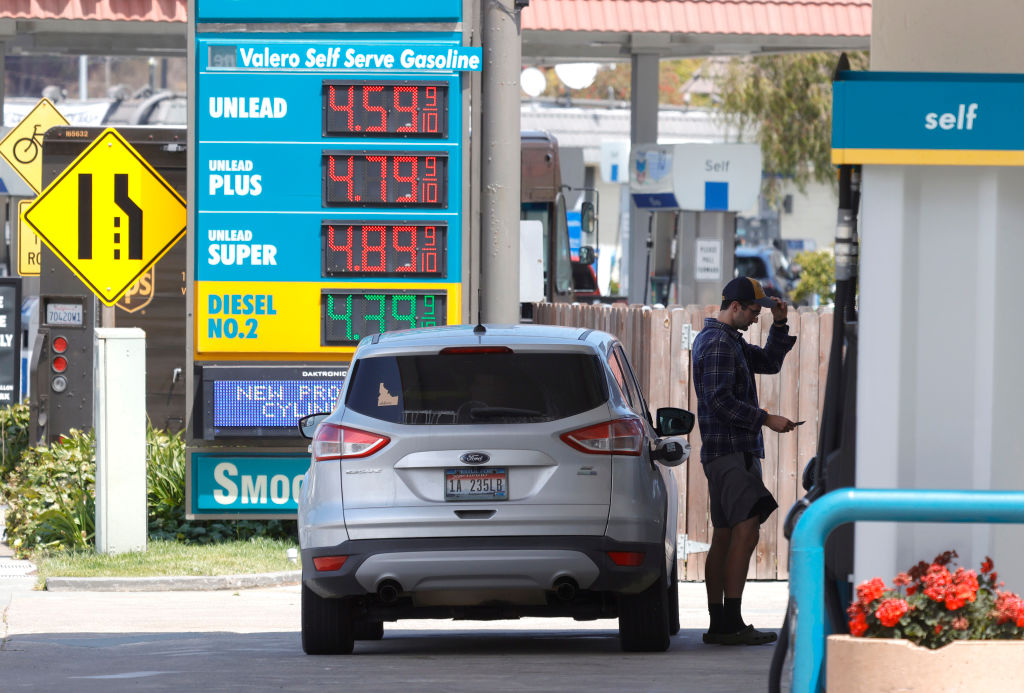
(486,484)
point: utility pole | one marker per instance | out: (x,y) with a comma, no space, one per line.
(500,164)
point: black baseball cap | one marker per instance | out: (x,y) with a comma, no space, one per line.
(746,290)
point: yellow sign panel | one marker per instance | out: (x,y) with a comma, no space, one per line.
(28,245)
(23,146)
(109,216)
(294,320)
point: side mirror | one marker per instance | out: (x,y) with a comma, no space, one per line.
(673,421)
(586,255)
(588,218)
(308,424)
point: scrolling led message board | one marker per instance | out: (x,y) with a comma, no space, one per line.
(326,170)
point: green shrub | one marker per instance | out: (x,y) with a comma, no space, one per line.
(13,437)
(51,498)
(51,495)
(817,275)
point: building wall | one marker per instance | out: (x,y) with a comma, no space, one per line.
(939,385)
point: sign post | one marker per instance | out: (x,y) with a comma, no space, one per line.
(329,199)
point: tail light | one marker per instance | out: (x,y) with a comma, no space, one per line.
(333,442)
(627,559)
(618,437)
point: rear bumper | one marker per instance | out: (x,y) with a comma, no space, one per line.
(420,565)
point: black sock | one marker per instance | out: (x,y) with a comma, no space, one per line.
(717,612)
(732,621)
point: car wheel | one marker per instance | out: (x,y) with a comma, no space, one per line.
(327,626)
(644,620)
(673,597)
(369,630)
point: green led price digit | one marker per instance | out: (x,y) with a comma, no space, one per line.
(346,317)
(409,317)
(379,315)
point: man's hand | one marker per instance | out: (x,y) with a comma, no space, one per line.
(780,309)
(779,424)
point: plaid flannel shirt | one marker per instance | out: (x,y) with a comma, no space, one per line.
(728,414)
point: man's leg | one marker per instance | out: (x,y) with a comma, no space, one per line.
(714,576)
(741,548)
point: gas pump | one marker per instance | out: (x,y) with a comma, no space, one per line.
(692,193)
(834,464)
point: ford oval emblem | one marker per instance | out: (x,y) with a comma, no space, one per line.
(475,458)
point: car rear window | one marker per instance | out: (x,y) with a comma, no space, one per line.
(489,388)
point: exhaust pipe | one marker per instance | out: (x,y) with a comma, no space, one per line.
(565,588)
(388,591)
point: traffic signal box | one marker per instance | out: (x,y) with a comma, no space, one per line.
(327,164)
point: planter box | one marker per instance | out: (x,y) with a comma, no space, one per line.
(873,665)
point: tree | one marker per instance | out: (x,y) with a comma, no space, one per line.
(785,101)
(817,275)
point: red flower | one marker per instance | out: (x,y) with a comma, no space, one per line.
(936,581)
(858,624)
(938,628)
(891,611)
(964,589)
(870,590)
(902,579)
(961,623)
(987,565)
(1009,607)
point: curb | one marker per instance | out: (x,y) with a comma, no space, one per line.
(173,583)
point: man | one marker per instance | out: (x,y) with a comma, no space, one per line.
(730,422)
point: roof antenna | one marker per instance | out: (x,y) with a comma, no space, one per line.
(479,329)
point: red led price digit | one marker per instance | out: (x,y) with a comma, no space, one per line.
(430,112)
(412,195)
(344,179)
(430,180)
(430,249)
(347,107)
(410,109)
(367,90)
(347,248)
(379,248)
(411,248)
(383,161)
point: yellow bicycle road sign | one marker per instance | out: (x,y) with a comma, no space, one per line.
(109,216)
(22,148)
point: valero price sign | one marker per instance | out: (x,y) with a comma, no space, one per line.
(329,191)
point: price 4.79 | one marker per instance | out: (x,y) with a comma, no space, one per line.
(350,315)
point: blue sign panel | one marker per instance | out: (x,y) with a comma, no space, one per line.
(928,118)
(328,11)
(242,483)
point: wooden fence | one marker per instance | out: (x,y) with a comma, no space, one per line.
(654,340)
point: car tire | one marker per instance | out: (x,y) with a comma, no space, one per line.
(369,630)
(644,620)
(327,624)
(673,597)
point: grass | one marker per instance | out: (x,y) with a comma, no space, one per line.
(168,558)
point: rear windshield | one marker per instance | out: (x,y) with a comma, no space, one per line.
(476,388)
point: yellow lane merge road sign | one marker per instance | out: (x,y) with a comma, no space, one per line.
(23,145)
(109,216)
(28,244)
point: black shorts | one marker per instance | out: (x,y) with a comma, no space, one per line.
(736,491)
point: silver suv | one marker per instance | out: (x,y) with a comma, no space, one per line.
(487,473)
